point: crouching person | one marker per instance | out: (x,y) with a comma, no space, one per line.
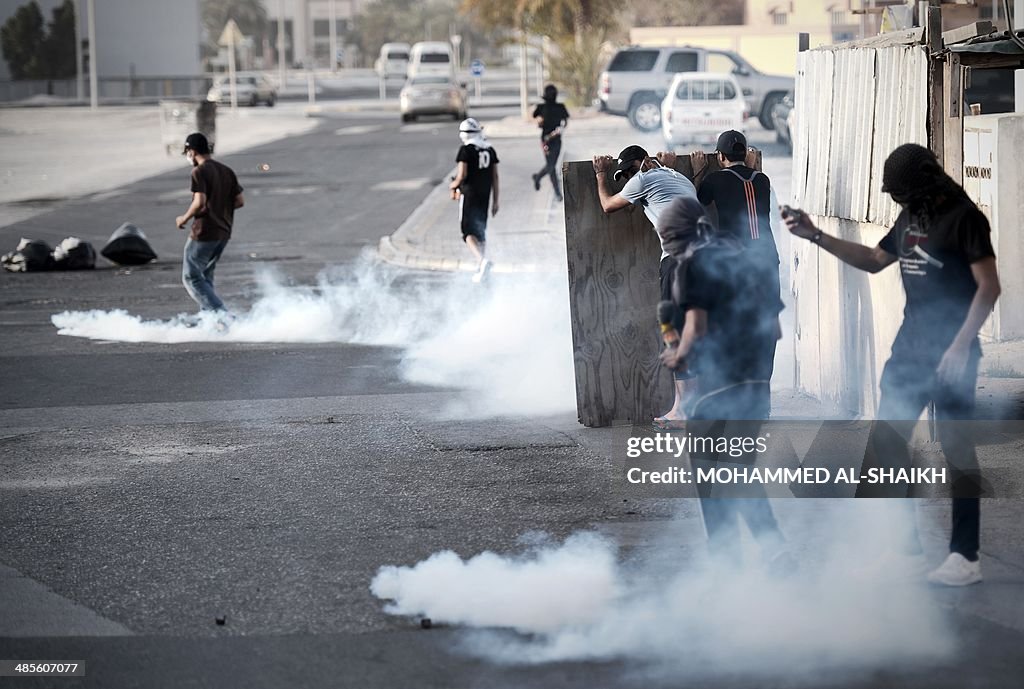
(728,322)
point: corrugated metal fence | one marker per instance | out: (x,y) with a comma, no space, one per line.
(854,107)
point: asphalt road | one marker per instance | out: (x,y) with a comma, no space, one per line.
(147,490)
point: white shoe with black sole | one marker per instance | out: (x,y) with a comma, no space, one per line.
(956,570)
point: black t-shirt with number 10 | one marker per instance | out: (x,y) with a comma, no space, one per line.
(935,256)
(480,164)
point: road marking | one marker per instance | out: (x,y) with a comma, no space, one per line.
(359,129)
(106,195)
(33,610)
(293,190)
(402,184)
(423,127)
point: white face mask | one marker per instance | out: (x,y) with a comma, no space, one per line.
(190,159)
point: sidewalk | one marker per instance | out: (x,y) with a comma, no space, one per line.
(527,234)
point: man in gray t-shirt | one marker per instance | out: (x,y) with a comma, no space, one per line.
(653,186)
(649,184)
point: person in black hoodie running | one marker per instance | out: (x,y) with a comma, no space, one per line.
(552,118)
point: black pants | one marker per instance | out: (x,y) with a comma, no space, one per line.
(551,164)
(909,383)
(736,410)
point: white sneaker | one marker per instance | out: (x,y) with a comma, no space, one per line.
(481,273)
(957,570)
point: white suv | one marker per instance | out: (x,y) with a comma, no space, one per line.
(637,80)
(700,106)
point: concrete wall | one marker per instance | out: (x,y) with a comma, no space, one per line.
(846,319)
(994,178)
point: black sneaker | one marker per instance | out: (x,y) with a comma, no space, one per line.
(536,182)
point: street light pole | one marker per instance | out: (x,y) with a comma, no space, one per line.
(281,74)
(94,96)
(333,33)
(524,86)
(79,74)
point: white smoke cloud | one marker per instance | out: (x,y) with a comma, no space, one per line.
(507,344)
(574,601)
(519,593)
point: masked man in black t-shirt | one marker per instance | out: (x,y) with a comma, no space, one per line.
(552,118)
(943,244)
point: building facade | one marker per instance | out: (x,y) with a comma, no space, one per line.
(768,37)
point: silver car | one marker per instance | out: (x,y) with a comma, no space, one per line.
(251,90)
(432,95)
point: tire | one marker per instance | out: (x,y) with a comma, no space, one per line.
(770,101)
(254,101)
(645,114)
(271,100)
(407,117)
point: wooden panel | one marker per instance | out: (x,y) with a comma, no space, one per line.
(953,127)
(613,290)
(613,263)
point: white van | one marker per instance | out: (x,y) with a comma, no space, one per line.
(700,106)
(393,60)
(431,58)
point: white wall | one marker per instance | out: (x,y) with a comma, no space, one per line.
(160,37)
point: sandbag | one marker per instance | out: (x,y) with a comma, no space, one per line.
(128,246)
(74,254)
(32,255)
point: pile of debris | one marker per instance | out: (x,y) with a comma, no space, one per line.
(128,246)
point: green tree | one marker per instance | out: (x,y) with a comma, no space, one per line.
(21,39)
(59,46)
(577,27)
(250,15)
(409,21)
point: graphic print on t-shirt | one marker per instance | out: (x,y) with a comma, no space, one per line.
(914,258)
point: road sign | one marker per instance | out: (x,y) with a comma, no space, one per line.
(231,35)
(476,68)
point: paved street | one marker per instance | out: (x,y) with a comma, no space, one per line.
(148,489)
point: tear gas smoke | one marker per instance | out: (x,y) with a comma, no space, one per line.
(508,344)
(681,616)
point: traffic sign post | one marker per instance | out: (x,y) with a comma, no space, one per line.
(476,68)
(231,37)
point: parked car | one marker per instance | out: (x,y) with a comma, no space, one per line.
(431,57)
(782,117)
(251,90)
(393,60)
(700,106)
(636,81)
(432,94)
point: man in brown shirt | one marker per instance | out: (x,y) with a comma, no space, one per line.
(216,194)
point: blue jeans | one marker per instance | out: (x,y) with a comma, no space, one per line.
(197,272)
